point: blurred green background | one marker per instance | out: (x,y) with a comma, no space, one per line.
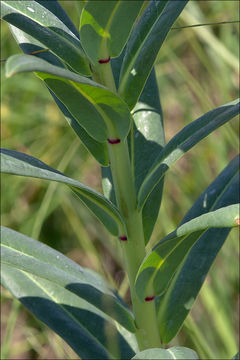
(197,70)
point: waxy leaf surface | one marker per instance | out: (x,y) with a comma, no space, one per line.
(175,304)
(76,303)
(56,9)
(42,24)
(176,352)
(102,113)
(13,162)
(146,140)
(189,136)
(105,27)
(28,45)
(144,44)
(161,264)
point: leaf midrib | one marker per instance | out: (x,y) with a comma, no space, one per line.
(103,43)
(170,152)
(56,33)
(65,310)
(37,21)
(110,127)
(132,61)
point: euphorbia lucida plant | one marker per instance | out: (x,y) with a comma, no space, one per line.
(102,79)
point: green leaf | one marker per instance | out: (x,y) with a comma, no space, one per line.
(105,28)
(146,141)
(99,111)
(189,136)
(236,357)
(161,264)
(13,162)
(144,44)
(37,21)
(175,304)
(59,12)
(28,45)
(96,149)
(176,352)
(74,302)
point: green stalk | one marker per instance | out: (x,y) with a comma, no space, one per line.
(147,333)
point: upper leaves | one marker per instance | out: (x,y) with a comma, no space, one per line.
(189,136)
(75,302)
(13,162)
(144,44)
(99,111)
(28,44)
(42,24)
(104,27)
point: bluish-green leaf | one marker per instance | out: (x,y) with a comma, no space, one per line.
(59,12)
(105,27)
(37,21)
(146,141)
(13,162)
(175,304)
(161,264)
(28,45)
(176,352)
(236,357)
(189,136)
(102,113)
(144,44)
(74,302)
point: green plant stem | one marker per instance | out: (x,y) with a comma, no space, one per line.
(147,333)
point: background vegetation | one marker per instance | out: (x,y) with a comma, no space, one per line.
(197,70)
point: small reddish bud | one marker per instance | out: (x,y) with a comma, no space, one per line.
(149,298)
(104,61)
(114,141)
(123,238)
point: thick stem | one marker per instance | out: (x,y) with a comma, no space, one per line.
(147,333)
(134,248)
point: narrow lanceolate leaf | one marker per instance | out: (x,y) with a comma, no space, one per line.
(177,301)
(103,114)
(105,27)
(28,45)
(74,302)
(161,264)
(144,44)
(176,352)
(146,141)
(59,12)
(43,25)
(189,136)
(13,162)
